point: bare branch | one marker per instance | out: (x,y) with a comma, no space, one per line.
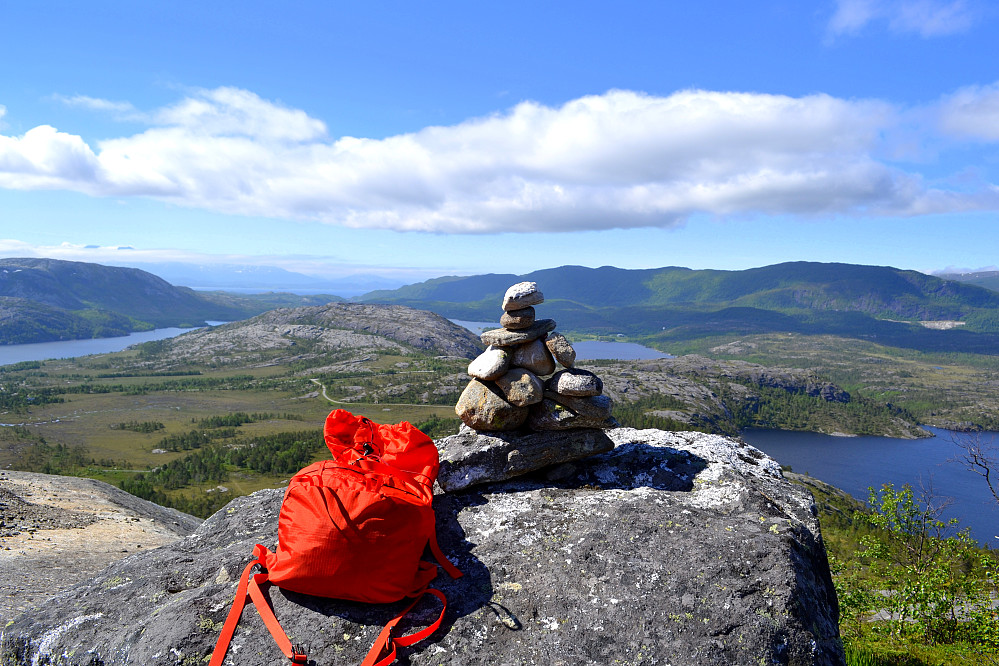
(981,456)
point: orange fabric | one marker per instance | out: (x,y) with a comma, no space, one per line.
(354,527)
(385,643)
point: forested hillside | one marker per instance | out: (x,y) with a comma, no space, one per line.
(664,305)
(47,299)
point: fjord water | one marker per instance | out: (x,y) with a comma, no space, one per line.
(588,350)
(40,351)
(855,463)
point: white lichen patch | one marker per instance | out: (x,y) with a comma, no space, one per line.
(50,638)
(504,509)
(730,466)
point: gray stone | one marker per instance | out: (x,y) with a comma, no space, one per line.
(490,364)
(521,295)
(560,348)
(595,406)
(551,415)
(592,569)
(534,356)
(471,458)
(504,338)
(521,387)
(516,320)
(482,406)
(575,382)
(58,531)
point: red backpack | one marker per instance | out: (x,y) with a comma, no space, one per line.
(355,528)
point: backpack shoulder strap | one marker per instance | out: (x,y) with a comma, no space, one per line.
(382,653)
(435,549)
(251,587)
(386,643)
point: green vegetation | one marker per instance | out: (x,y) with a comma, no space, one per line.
(281,454)
(237,419)
(18,397)
(667,306)
(912,588)
(48,299)
(139,426)
(951,390)
(437,427)
(779,409)
(171,429)
(647,412)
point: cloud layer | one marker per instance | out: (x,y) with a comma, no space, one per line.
(926,18)
(621,159)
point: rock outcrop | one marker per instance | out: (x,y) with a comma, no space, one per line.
(672,548)
(311,333)
(473,458)
(57,531)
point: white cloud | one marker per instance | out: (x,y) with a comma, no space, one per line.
(972,113)
(852,15)
(235,112)
(44,158)
(926,18)
(621,159)
(97,104)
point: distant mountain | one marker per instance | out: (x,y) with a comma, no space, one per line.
(245,278)
(672,303)
(987,279)
(48,299)
(230,276)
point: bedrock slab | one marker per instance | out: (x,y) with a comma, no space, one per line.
(672,548)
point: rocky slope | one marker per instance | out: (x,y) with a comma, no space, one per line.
(672,548)
(290,335)
(56,531)
(708,392)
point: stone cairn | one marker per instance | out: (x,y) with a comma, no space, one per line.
(514,381)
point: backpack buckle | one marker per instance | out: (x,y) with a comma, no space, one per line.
(298,655)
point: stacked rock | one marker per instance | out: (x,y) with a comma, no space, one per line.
(514,381)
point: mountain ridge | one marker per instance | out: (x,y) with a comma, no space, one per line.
(42,300)
(673,303)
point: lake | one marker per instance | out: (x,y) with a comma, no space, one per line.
(588,350)
(40,351)
(854,463)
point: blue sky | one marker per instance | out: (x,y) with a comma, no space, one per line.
(415,140)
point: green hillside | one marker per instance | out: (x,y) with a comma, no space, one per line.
(892,306)
(47,299)
(77,286)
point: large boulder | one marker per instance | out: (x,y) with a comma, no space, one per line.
(471,457)
(673,548)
